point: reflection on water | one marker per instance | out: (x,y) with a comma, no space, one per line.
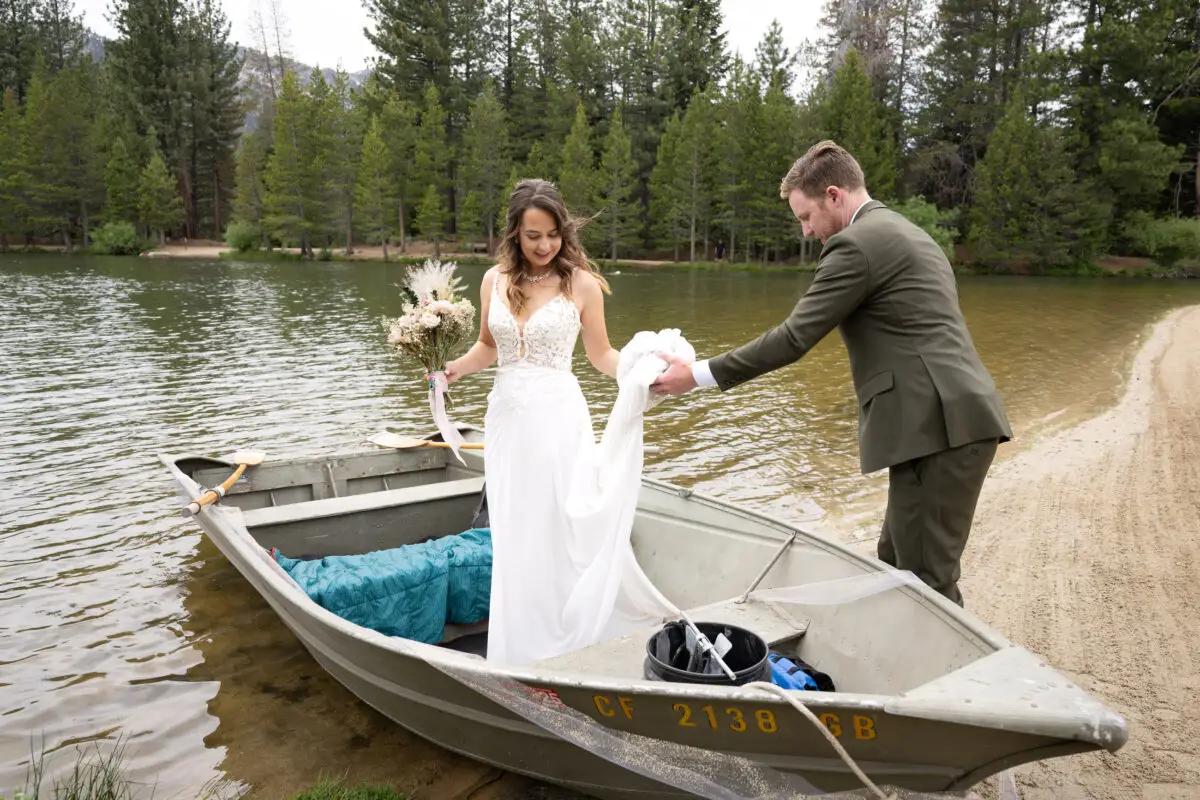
(115,615)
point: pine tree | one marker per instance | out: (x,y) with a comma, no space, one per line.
(148,64)
(432,213)
(540,163)
(122,183)
(215,109)
(159,203)
(20,43)
(740,115)
(774,153)
(400,138)
(347,122)
(615,187)
(471,221)
(695,50)
(668,225)
(697,164)
(852,116)
(415,44)
(15,211)
(431,166)
(60,127)
(1028,209)
(61,34)
(375,191)
(250,197)
(486,163)
(292,175)
(577,179)
(776,63)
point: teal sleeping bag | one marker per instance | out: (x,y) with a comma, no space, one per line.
(410,591)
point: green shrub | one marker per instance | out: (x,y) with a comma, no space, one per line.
(117,239)
(243,236)
(1168,241)
(938,224)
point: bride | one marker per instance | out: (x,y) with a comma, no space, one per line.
(556,584)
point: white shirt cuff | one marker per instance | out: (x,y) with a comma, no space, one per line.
(702,374)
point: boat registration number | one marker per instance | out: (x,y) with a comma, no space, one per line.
(740,720)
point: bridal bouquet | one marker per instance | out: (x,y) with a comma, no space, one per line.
(436,320)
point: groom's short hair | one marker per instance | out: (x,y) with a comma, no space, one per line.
(825,164)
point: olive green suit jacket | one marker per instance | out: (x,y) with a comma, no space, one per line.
(889,289)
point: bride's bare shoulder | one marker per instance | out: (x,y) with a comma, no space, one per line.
(490,276)
(585,281)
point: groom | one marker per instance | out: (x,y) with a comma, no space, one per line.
(928,409)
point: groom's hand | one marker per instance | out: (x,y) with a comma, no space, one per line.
(677,379)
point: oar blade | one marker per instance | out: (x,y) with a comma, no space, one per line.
(251,458)
(395,441)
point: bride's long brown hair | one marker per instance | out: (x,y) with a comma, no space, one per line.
(536,193)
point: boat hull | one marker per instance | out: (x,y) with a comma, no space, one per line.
(595,748)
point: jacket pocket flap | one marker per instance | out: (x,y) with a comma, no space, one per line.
(874,385)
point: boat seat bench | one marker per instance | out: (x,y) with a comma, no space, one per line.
(353,504)
(623,656)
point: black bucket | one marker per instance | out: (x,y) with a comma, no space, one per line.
(667,655)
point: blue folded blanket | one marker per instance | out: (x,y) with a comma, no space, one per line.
(410,591)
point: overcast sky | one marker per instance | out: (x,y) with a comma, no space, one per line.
(322,36)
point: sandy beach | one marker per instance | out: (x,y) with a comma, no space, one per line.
(1086,550)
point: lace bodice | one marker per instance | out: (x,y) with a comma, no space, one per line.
(548,338)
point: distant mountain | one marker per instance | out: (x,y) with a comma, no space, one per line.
(95,46)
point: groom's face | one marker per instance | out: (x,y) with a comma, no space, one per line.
(817,215)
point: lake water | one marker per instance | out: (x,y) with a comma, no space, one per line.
(118,619)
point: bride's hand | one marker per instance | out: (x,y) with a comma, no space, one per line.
(453,372)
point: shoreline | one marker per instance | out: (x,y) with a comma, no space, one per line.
(1104,267)
(1085,550)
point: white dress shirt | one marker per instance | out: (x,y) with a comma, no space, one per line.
(700,371)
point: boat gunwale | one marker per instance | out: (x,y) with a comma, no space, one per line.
(446,659)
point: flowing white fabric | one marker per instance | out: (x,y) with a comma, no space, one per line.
(437,407)
(561,504)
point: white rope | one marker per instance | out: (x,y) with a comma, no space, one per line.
(841,751)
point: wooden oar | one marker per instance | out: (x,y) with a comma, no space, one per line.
(397,442)
(243,458)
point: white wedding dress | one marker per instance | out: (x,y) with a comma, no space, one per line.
(561,505)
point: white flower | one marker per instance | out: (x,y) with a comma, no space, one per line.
(434,280)
(430,320)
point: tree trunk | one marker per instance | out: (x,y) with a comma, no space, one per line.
(692,210)
(383,238)
(403,235)
(733,236)
(83,219)
(692,239)
(66,233)
(216,202)
(193,215)
(349,230)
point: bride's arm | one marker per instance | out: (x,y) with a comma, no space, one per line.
(483,353)
(595,332)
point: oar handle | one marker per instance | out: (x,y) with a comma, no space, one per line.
(213,495)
